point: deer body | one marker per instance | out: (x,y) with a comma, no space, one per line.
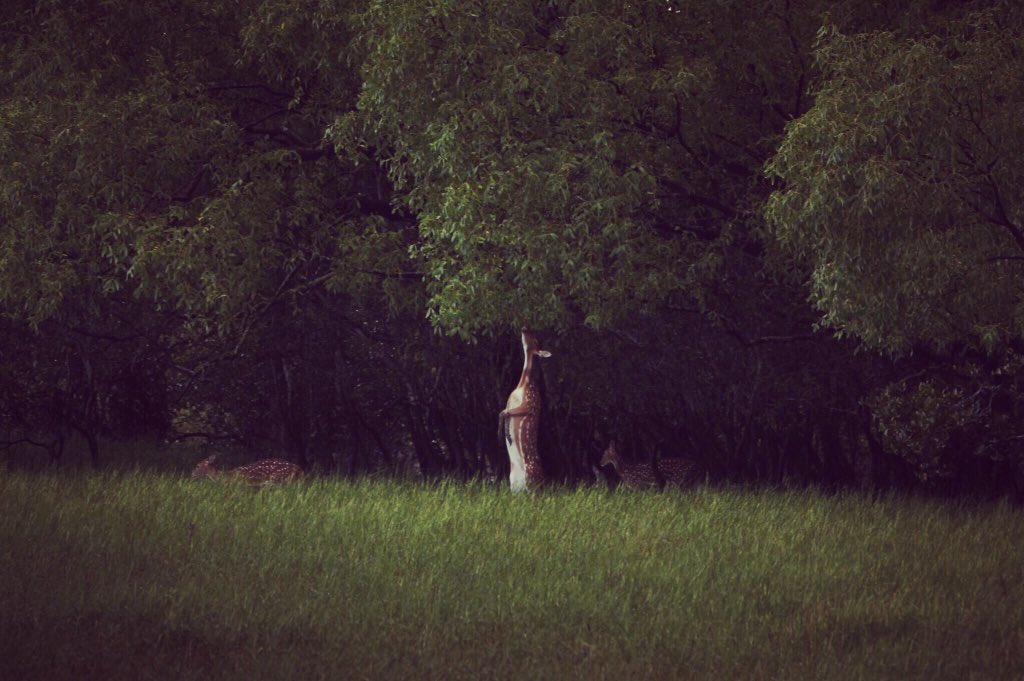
(519,421)
(678,472)
(262,472)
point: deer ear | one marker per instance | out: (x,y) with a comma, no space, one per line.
(543,353)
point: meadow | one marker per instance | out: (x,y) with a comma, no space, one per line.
(140,575)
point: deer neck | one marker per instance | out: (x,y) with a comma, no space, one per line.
(527,377)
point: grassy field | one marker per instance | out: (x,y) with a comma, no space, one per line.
(139,576)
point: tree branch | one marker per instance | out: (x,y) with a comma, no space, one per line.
(305,150)
(1004,218)
(275,112)
(250,86)
(189,191)
(209,436)
(24,440)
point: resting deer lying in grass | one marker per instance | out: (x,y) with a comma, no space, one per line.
(262,472)
(679,472)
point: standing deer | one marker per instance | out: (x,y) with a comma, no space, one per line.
(679,472)
(262,472)
(519,421)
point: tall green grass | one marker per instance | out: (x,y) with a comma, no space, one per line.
(138,576)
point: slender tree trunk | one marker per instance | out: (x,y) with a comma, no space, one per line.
(291,426)
(419,433)
(92,441)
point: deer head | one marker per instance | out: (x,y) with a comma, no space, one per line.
(205,469)
(531,347)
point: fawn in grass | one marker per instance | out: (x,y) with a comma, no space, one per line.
(679,472)
(262,472)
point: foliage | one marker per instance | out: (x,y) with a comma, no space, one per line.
(947,433)
(314,229)
(901,185)
(919,425)
(901,194)
(586,162)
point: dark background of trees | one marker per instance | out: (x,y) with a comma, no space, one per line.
(783,238)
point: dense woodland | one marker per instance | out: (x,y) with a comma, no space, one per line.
(784,238)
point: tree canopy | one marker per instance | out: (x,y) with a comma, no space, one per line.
(783,238)
(901,185)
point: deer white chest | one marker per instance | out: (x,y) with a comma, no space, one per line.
(516,397)
(517,474)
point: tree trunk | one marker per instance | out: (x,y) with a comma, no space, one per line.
(290,426)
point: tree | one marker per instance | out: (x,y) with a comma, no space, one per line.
(165,161)
(574,162)
(314,229)
(901,193)
(900,186)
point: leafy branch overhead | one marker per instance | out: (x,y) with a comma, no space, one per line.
(902,186)
(574,162)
